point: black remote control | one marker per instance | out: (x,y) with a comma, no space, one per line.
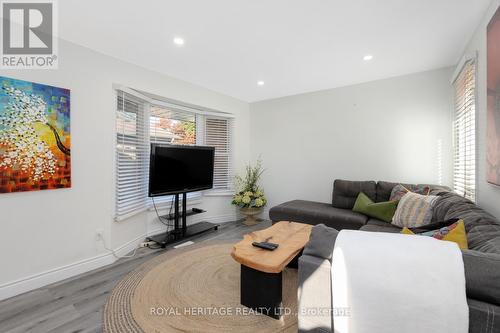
(266,245)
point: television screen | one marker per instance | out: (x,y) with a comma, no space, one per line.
(179,169)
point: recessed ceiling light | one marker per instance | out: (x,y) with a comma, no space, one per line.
(260,83)
(368,57)
(178,41)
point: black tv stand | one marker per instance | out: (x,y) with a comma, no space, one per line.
(191,212)
(183,231)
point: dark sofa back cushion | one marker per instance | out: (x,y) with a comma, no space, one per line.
(345,192)
(483,229)
(384,189)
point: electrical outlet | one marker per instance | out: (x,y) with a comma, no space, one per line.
(146,244)
(99,234)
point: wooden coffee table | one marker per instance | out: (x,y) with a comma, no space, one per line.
(261,270)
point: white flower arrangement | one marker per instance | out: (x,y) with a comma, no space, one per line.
(250,195)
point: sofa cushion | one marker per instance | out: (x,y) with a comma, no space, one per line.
(414,210)
(384,190)
(434,226)
(312,212)
(482,270)
(380,210)
(345,192)
(482,275)
(321,242)
(483,317)
(379,226)
(400,190)
(436,189)
(452,233)
(483,229)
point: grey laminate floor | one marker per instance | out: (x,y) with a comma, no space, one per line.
(75,305)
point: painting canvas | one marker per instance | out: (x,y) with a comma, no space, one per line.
(493,113)
(35,142)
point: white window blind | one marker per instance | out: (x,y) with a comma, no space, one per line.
(132,155)
(218,132)
(169,125)
(464,132)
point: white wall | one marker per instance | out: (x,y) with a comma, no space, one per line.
(49,235)
(397,129)
(488,195)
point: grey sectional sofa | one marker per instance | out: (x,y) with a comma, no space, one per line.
(482,260)
(338,213)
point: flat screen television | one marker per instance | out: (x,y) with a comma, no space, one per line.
(175,169)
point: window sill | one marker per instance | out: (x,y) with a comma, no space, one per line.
(218,193)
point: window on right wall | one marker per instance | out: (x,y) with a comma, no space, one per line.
(464,132)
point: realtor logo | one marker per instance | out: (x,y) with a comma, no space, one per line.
(29,34)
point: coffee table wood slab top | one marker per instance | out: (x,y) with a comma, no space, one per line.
(291,237)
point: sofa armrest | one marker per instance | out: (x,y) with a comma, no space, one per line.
(483,317)
(321,242)
(314,295)
(482,276)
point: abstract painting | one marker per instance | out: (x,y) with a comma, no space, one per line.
(493,113)
(35,142)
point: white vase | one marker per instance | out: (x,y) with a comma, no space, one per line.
(250,214)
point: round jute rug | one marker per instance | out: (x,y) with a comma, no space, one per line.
(193,289)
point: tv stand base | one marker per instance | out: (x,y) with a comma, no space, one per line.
(175,236)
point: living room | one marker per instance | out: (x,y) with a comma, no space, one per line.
(299,113)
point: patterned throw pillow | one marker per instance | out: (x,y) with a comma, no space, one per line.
(453,233)
(399,190)
(414,210)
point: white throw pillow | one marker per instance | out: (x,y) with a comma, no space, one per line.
(414,210)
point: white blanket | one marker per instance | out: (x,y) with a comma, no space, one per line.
(393,283)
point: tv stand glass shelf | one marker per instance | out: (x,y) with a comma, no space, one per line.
(190,212)
(182,231)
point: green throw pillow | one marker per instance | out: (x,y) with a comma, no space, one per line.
(380,210)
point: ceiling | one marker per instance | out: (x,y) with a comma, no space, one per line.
(294,46)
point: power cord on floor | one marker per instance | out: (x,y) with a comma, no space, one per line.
(155,247)
(167,224)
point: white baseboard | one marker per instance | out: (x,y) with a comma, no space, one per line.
(43,279)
